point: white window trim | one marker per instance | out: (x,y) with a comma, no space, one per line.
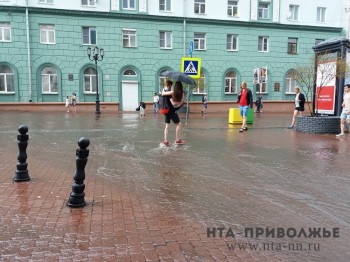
(171,39)
(47,31)
(3,27)
(44,2)
(89,4)
(200,4)
(128,8)
(48,92)
(90,27)
(267,44)
(294,12)
(5,78)
(231,78)
(200,40)
(260,87)
(232,7)
(267,9)
(90,81)
(237,47)
(289,81)
(129,46)
(319,8)
(165,7)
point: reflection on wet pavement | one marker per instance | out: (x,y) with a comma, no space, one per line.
(146,202)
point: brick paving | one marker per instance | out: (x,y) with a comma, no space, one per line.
(147,203)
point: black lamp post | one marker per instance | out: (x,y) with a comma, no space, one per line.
(97,52)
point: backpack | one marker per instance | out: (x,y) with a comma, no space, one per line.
(203,99)
(163,105)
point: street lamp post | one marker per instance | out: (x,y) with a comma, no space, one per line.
(96,57)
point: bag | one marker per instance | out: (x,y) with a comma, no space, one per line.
(163,105)
(203,100)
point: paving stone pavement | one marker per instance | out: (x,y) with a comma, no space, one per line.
(146,202)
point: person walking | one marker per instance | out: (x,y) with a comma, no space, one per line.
(74,102)
(155,103)
(175,99)
(245,100)
(67,104)
(205,105)
(299,102)
(345,114)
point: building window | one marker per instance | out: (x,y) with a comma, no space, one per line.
(321,14)
(232,8)
(276,87)
(129,4)
(89,36)
(263,44)
(290,82)
(46,1)
(201,87)
(90,80)
(263,11)
(129,38)
(129,72)
(199,6)
(199,41)
(165,40)
(293,12)
(232,43)
(165,5)
(162,80)
(5,32)
(88,2)
(231,83)
(292,46)
(261,88)
(47,34)
(6,79)
(49,80)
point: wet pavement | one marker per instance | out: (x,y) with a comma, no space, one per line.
(146,202)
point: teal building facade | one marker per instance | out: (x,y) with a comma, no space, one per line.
(43,55)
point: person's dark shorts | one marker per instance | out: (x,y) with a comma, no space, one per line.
(172,115)
(299,109)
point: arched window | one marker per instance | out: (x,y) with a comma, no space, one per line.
(90,80)
(6,79)
(231,82)
(49,80)
(290,82)
(129,72)
(161,81)
(201,86)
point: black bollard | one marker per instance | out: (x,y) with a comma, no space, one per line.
(22,140)
(77,197)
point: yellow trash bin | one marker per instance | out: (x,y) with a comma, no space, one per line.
(234,116)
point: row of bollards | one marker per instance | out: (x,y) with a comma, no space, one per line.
(77,196)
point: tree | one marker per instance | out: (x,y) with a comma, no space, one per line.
(322,70)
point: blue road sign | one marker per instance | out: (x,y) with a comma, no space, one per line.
(191,48)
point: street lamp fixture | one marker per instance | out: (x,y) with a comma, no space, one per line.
(97,56)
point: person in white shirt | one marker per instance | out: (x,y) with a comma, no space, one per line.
(345,114)
(155,103)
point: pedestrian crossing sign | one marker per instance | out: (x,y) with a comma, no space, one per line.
(191,66)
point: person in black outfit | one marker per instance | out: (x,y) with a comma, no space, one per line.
(299,105)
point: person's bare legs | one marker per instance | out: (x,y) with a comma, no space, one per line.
(166,131)
(342,126)
(294,116)
(244,124)
(178,131)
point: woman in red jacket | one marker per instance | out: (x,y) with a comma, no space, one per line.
(245,100)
